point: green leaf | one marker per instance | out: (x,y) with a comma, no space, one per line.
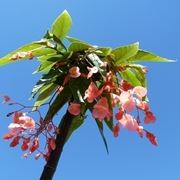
(138,70)
(123,53)
(61,25)
(47,62)
(104,51)
(36,48)
(130,77)
(76,123)
(100,127)
(44,94)
(79,46)
(78,87)
(72,40)
(60,100)
(109,122)
(143,56)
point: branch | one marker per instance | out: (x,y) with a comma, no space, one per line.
(52,162)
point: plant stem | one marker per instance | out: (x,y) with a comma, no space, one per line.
(52,162)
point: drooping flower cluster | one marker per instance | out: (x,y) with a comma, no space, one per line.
(25,131)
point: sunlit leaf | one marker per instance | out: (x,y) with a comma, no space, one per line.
(78,46)
(130,77)
(123,53)
(145,56)
(60,100)
(37,49)
(62,25)
(44,94)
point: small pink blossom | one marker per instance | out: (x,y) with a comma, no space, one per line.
(129,122)
(119,114)
(92,92)
(143,105)
(20,123)
(129,105)
(74,108)
(92,71)
(6,99)
(74,72)
(124,96)
(149,117)
(109,85)
(125,85)
(140,91)
(127,101)
(116,130)
(152,138)
(115,99)
(101,109)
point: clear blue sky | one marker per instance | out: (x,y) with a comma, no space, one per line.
(156,25)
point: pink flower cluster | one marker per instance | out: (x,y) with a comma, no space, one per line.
(123,96)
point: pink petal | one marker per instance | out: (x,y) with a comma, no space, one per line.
(129,105)
(140,91)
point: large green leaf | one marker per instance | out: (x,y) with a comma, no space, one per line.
(61,25)
(79,46)
(130,77)
(143,56)
(44,94)
(47,62)
(37,49)
(123,53)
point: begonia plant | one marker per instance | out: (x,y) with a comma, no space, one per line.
(107,82)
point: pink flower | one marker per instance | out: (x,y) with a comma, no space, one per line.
(27,122)
(149,117)
(152,138)
(129,122)
(15,129)
(124,96)
(92,71)
(120,114)
(125,85)
(143,105)
(20,123)
(116,130)
(109,84)
(115,99)
(74,108)
(74,72)
(129,105)
(127,101)
(16,116)
(6,99)
(92,92)
(140,91)
(101,109)
(35,145)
